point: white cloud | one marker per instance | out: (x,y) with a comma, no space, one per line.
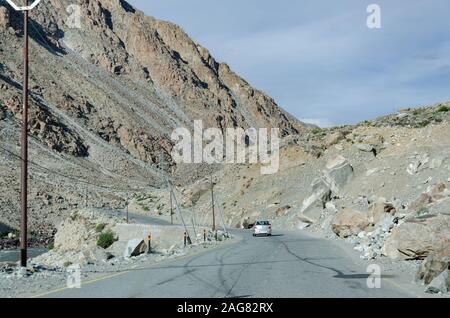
(321,122)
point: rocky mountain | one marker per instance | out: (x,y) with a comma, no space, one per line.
(108,90)
(108,87)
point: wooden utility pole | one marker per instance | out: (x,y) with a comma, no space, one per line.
(24,148)
(177,206)
(85,196)
(212,204)
(171,208)
(26,8)
(219,207)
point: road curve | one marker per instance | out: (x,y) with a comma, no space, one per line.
(286,265)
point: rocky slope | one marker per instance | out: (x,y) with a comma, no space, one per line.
(105,97)
(382,185)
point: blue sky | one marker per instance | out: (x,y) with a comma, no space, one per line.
(318,58)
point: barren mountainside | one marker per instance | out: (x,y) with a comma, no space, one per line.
(107,90)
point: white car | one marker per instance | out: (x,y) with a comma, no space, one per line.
(262,228)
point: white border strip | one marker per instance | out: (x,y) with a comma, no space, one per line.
(26,8)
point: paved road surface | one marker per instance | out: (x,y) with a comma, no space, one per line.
(289,265)
(14,255)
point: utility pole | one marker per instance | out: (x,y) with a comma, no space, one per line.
(171,204)
(24,132)
(212,202)
(24,148)
(85,197)
(179,213)
(222,218)
(163,167)
(171,208)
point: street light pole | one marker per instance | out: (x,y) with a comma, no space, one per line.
(24,147)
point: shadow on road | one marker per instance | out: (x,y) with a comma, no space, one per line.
(359,276)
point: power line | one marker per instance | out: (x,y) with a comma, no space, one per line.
(65,176)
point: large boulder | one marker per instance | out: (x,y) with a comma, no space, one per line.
(337,174)
(434,194)
(379,209)
(418,237)
(348,222)
(434,265)
(314,204)
(440,284)
(135,247)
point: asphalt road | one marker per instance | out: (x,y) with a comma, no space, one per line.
(14,255)
(289,265)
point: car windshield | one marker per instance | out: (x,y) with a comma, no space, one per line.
(262,223)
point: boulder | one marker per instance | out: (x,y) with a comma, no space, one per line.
(302,225)
(374,140)
(440,284)
(418,237)
(418,163)
(337,174)
(434,193)
(348,222)
(378,209)
(135,247)
(283,210)
(334,138)
(434,265)
(313,205)
(4,17)
(365,147)
(422,201)
(248,222)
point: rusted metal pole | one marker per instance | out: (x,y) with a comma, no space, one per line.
(24,148)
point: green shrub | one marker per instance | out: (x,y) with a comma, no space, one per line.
(51,246)
(106,239)
(422,211)
(443,109)
(100,227)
